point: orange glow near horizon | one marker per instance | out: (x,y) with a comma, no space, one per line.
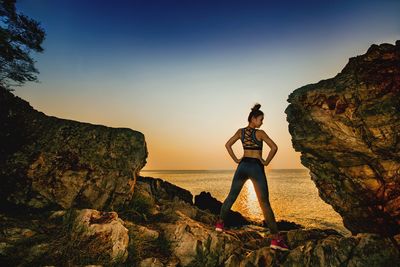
(187,76)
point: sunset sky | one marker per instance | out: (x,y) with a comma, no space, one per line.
(186,73)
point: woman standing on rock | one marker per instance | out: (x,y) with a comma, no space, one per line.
(251,165)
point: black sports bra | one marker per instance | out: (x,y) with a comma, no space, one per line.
(249,139)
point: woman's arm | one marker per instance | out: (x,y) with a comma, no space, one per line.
(271,144)
(229,144)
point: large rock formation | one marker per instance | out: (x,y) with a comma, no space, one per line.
(347,130)
(47,162)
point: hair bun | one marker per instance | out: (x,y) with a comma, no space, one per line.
(256,107)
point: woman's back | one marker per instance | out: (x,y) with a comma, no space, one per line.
(252,146)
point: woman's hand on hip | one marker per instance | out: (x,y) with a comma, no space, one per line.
(263,161)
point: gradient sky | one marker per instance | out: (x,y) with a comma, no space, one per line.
(186,73)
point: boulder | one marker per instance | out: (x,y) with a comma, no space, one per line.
(157,188)
(101,233)
(205,201)
(347,130)
(52,163)
(195,243)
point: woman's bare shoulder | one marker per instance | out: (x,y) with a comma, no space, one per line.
(264,136)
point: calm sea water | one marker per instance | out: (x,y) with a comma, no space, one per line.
(292,193)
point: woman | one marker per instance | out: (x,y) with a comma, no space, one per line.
(251,165)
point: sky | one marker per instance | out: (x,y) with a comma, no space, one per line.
(187,73)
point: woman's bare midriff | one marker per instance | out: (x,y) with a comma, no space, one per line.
(252,153)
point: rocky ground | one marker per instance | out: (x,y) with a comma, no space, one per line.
(161,227)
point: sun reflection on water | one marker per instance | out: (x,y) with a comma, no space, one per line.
(247,202)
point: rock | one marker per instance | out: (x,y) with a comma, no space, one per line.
(102,233)
(232,261)
(346,129)
(14,234)
(361,250)
(369,252)
(171,207)
(142,232)
(144,190)
(147,233)
(168,212)
(158,188)
(263,256)
(173,262)
(194,242)
(205,201)
(57,214)
(151,262)
(285,225)
(37,251)
(330,251)
(298,237)
(47,162)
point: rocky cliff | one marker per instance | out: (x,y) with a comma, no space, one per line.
(47,162)
(347,130)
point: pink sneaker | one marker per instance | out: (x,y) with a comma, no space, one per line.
(219,226)
(278,243)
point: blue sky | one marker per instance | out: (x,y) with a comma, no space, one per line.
(186,73)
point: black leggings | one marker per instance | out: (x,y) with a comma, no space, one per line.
(251,168)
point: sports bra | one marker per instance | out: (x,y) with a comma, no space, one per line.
(249,139)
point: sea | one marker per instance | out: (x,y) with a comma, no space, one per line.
(292,194)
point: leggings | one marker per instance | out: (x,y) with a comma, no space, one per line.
(251,168)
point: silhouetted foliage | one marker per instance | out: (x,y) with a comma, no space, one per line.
(19,35)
